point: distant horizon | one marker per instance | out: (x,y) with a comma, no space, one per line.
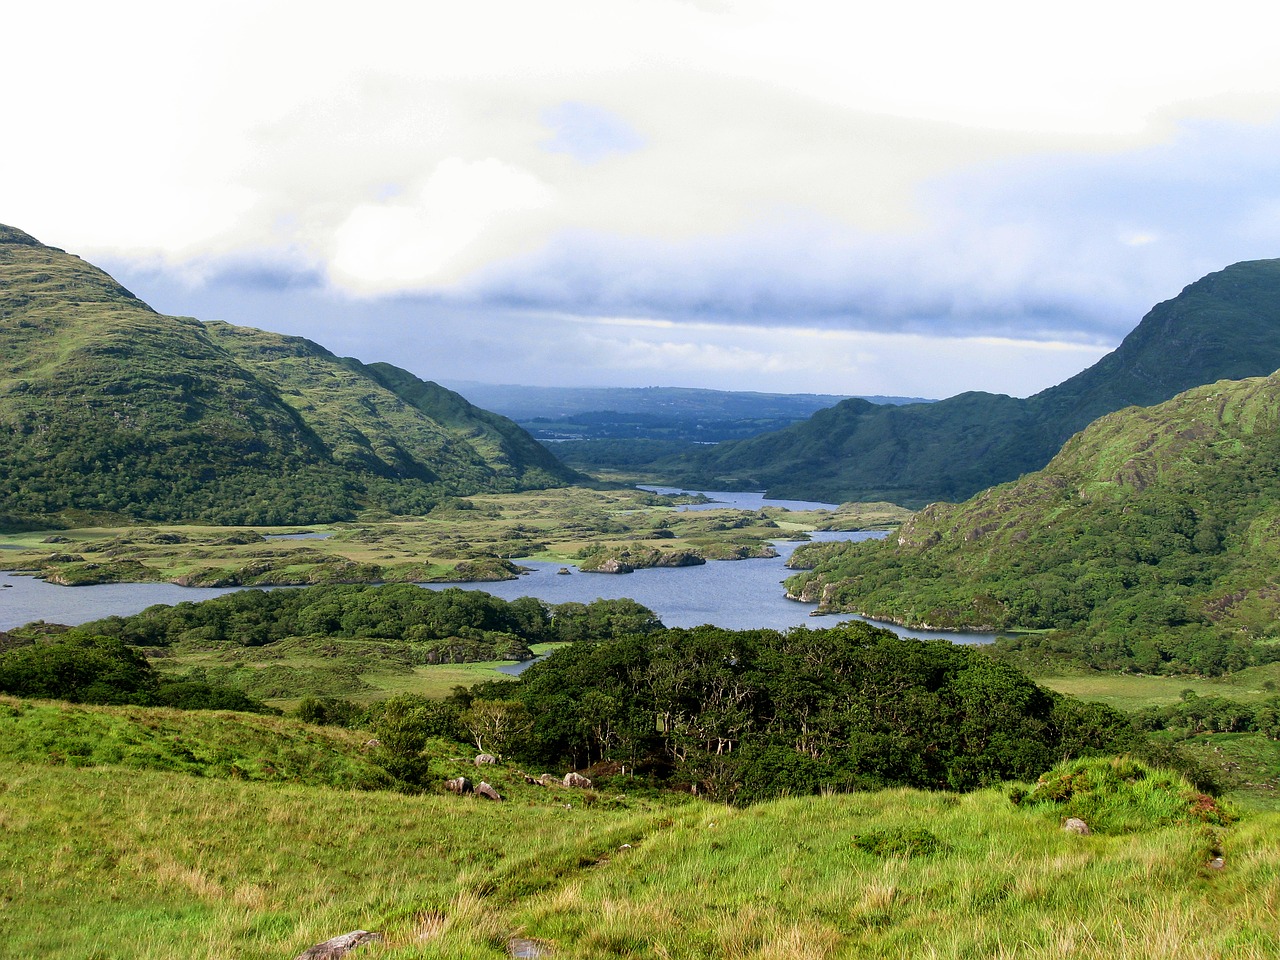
(454,382)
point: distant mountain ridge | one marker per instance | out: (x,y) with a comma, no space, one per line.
(524,403)
(108,408)
(1225,326)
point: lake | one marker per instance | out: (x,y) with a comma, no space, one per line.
(734,594)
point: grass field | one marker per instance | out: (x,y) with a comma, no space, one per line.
(100,862)
(1132,691)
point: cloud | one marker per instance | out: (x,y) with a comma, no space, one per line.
(463,212)
(947,172)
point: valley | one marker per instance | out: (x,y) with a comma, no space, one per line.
(256,770)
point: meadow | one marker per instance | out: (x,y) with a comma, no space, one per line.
(103,859)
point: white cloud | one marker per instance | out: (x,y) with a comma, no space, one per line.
(464,213)
(935,168)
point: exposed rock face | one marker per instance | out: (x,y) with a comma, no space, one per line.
(458,785)
(485,759)
(340,946)
(680,558)
(485,790)
(1077,826)
(612,565)
(572,779)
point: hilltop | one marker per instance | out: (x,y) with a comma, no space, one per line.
(1225,326)
(1150,536)
(110,410)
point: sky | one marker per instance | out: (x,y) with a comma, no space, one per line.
(911,199)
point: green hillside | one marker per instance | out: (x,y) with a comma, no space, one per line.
(186,835)
(111,410)
(1151,537)
(1224,326)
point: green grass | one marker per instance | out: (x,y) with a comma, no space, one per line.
(101,863)
(106,855)
(1248,762)
(199,743)
(1127,691)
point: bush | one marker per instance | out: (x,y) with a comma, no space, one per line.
(899,842)
(1123,795)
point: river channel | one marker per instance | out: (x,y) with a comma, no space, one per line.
(734,594)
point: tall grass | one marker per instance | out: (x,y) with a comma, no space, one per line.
(105,862)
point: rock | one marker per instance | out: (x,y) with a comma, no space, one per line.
(549,780)
(340,946)
(486,759)
(564,572)
(1077,826)
(371,743)
(1217,863)
(572,779)
(521,947)
(458,785)
(613,565)
(484,790)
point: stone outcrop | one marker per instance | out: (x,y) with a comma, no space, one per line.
(458,785)
(485,790)
(576,780)
(340,946)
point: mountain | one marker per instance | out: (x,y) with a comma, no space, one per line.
(109,409)
(1151,537)
(1225,326)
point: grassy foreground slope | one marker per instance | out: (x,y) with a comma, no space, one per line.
(1224,326)
(1152,533)
(102,862)
(109,409)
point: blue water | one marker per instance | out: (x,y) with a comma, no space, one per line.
(735,594)
(24,599)
(737,500)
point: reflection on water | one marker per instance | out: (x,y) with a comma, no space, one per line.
(24,599)
(737,500)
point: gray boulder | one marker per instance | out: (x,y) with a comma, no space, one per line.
(340,946)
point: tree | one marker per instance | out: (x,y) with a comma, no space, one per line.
(80,668)
(497,723)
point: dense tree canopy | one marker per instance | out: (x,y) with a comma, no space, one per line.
(450,624)
(743,715)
